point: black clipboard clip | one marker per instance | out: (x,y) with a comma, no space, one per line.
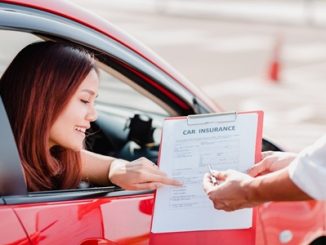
(211,118)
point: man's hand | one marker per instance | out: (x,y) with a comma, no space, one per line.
(230,192)
(271,162)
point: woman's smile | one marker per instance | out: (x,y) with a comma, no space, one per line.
(80,129)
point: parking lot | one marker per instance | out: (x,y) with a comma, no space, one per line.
(228,55)
(227,48)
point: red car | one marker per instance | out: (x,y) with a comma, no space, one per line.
(138,90)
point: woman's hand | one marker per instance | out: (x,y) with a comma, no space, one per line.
(141,174)
(272,161)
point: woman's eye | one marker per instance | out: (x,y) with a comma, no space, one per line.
(84,101)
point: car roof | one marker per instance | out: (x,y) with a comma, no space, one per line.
(74,12)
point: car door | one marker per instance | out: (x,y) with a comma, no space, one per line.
(11,182)
(119,219)
(12,231)
(93,215)
(83,216)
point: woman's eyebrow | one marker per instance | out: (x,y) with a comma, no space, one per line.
(91,92)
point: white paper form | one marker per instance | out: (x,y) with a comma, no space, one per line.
(185,154)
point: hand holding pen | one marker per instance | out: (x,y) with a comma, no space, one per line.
(212,177)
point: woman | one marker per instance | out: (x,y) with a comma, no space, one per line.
(49,91)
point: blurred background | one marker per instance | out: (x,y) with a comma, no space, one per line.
(265,55)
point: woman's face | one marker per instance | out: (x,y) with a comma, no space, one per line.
(69,129)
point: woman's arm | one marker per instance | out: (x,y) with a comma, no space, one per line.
(95,167)
(141,174)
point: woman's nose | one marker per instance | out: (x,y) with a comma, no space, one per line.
(92,114)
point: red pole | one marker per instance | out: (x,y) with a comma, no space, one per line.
(275,63)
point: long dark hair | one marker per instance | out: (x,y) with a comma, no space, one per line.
(35,89)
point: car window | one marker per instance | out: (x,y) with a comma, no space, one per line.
(119,100)
(11,42)
(114,92)
(123,113)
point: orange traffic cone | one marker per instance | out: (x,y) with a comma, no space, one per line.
(275,64)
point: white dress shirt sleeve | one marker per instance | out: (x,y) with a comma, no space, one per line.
(308,170)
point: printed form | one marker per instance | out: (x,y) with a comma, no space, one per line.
(187,149)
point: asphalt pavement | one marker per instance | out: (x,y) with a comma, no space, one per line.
(264,11)
(227,48)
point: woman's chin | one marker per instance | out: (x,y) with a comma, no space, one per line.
(76,144)
(76,147)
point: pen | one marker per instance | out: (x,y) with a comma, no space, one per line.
(212,177)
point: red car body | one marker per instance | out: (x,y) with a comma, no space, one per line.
(105,216)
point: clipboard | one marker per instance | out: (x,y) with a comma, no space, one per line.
(208,125)
(211,118)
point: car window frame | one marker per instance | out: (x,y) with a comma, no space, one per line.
(45,24)
(108,51)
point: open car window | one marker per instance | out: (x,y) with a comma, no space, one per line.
(116,92)
(11,42)
(129,121)
(120,100)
